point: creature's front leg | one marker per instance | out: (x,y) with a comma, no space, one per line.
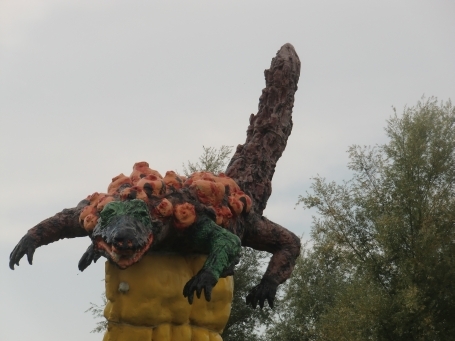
(89,256)
(265,235)
(223,248)
(64,224)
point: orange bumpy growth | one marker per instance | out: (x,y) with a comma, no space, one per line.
(219,193)
(172,179)
(209,192)
(185,215)
(164,209)
(117,181)
(142,168)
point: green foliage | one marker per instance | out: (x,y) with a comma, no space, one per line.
(244,320)
(318,275)
(212,160)
(98,312)
(383,262)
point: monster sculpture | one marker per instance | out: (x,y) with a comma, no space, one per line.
(145,212)
(148,226)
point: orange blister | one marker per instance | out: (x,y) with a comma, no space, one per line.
(172,179)
(118,181)
(157,185)
(103,202)
(223,214)
(164,209)
(209,192)
(140,169)
(134,192)
(185,215)
(227,181)
(89,209)
(90,222)
(245,199)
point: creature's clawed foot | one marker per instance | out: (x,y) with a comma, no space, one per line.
(26,246)
(203,280)
(266,290)
(87,258)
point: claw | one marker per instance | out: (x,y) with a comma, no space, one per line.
(203,280)
(266,290)
(89,255)
(26,246)
(208,294)
(30,256)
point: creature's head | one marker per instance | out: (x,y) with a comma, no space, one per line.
(124,232)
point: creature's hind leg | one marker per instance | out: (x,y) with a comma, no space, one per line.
(265,235)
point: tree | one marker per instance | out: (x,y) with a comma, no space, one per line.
(391,230)
(98,312)
(318,276)
(212,160)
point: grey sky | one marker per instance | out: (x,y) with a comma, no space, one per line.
(89,88)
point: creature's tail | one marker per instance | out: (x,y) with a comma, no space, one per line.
(253,163)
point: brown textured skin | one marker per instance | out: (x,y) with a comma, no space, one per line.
(253,163)
(64,224)
(252,167)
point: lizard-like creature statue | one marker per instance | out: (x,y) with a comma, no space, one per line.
(203,214)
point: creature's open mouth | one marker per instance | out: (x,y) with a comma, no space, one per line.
(126,257)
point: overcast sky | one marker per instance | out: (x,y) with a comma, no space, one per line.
(88,88)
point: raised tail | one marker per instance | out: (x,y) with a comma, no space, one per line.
(253,163)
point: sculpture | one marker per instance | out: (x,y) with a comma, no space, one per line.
(204,214)
(145,212)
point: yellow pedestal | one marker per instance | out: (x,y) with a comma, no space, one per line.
(154,309)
